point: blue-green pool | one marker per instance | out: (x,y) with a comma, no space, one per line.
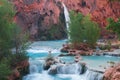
(38,52)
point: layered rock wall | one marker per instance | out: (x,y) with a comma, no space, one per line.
(44,19)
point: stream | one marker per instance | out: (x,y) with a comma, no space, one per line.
(38,52)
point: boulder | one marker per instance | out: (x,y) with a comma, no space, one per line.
(112,73)
(53,70)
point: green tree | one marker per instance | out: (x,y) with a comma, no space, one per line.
(10,36)
(114,26)
(91,31)
(6,22)
(82,29)
(76,27)
(20,43)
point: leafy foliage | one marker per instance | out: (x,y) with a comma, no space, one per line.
(91,31)
(82,29)
(6,22)
(114,26)
(76,27)
(10,36)
(4,69)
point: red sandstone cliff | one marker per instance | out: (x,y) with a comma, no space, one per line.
(40,18)
(39,15)
(100,10)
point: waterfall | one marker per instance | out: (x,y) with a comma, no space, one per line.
(69,69)
(91,75)
(67,18)
(36,66)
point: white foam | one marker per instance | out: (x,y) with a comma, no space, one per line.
(37,76)
(42,50)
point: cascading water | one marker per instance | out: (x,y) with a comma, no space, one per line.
(36,66)
(73,71)
(69,69)
(67,18)
(64,72)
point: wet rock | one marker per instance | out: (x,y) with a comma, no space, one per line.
(48,63)
(51,61)
(84,68)
(67,54)
(53,70)
(65,48)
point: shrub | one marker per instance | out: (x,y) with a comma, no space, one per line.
(114,26)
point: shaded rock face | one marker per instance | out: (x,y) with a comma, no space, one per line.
(112,73)
(44,19)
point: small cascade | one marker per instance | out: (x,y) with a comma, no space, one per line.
(36,66)
(91,75)
(67,18)
(69,69)
(33,69)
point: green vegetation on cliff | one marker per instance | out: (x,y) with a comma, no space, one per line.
(114,26)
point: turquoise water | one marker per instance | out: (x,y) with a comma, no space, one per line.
(100,63)
(41,48)
(38,52)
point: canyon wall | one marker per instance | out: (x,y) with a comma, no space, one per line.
(44,19)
